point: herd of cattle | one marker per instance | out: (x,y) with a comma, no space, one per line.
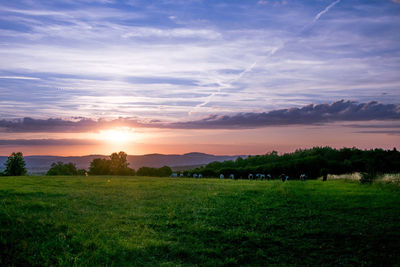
(258,176)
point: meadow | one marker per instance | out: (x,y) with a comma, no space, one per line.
(119,221)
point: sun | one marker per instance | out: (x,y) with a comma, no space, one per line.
(118,135)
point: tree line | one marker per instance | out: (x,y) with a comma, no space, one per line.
(116,164)
(315,162)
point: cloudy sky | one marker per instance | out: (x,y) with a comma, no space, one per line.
(218,76)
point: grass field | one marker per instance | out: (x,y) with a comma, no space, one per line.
(161,221)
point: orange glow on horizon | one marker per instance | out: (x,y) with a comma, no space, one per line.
(141,141)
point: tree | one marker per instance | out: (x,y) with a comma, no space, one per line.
(119,163)
(164,171)
(100,166)
(116,165)
(15,165)
(157,172)
(60,168)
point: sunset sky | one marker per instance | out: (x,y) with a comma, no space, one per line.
(82,77)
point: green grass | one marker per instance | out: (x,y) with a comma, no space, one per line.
(207,222)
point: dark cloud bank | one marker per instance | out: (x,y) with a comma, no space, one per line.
(310,114)
(307,115)
(47,142)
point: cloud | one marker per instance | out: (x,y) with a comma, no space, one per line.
(375,126)
(395,132)
(275,3)
(389,128)
(19,78)
(134,32)
(60,125)
(306,115)
(310,114)
(74,15)
(396,1)
(102,74)
(47,142)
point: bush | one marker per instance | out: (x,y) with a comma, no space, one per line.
(157,172)
(367,177)
(60,168)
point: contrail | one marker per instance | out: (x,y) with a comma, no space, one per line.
(224,85)
(228,83)
(250,68)
(325,10)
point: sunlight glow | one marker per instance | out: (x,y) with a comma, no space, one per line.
(118,135)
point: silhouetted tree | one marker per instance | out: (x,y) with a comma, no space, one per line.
(165,171)
(158,172)
(119,164)
(15,165)
(116,165)
(60,168)
(100,167)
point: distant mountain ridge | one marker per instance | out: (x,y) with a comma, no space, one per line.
(41,164)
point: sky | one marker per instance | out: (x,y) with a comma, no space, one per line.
(233,77)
